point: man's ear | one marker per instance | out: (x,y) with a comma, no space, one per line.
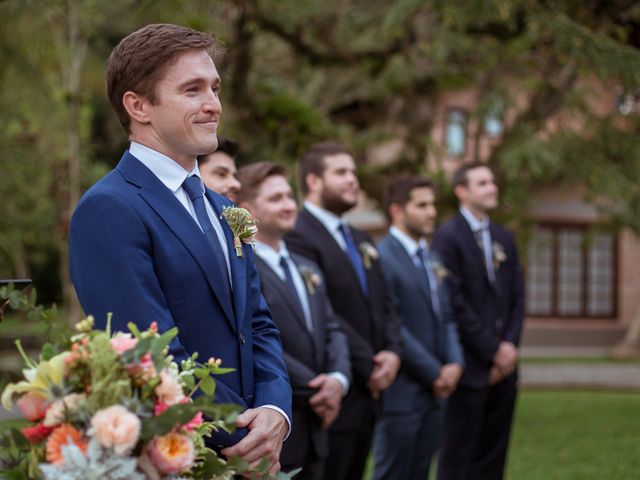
(136,106)
(460,192)
(395,212)
(314,182)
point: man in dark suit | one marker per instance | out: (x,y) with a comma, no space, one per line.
(487,294)
(218,169)
(147,241)
(356,288)
(315,348)
(408,434)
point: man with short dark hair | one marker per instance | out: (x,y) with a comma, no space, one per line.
(357,292)
(408,434)
(218,169)
(148,243)
(487,294)
(315,348)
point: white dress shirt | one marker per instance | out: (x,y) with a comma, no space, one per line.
(272,258)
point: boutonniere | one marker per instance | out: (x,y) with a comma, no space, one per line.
(439,270)
(369,253)
(243,226)
(311,279)
(499,255)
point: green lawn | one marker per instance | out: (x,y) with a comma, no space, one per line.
(574,435)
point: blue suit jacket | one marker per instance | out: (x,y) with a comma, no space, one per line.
(486,313)
(135,251)
(429,340)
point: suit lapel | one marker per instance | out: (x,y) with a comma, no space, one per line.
(403,256)
(167,207)
(275,282)
(238,264)
(471,245)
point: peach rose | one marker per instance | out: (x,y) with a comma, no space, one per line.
(33,406)
(171,453)
(117,428)
(169,390)
(122,343)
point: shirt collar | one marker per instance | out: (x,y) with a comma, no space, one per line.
(271,256)
(475,224)
(169,172)
(330,220)
(409,244)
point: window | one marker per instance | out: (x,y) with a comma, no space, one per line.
(455,136)
(571,272)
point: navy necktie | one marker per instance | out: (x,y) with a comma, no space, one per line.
(354,256)
(193,186)
(292,286)
(423,260)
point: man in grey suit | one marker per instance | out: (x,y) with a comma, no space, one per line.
(315,348)
(408,434)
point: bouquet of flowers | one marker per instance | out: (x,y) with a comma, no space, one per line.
(114,406)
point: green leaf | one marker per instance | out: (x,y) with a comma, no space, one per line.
(208,385)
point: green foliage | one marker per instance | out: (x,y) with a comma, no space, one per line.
(109,382)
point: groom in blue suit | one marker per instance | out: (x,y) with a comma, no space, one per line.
(148,243)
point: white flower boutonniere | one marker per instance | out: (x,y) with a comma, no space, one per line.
(311,279)
(439,270)
(243,226)
(369,253)
(499,255)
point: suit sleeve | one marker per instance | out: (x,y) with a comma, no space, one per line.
(112,270)
(476,340)
(452,340)
(271,381)
(513,324)
(337,345)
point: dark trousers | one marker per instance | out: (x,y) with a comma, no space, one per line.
(476,432)
(405,443)
(348,452)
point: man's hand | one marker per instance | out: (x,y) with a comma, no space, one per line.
(495,376)
(446,383)
(385,369)
(267,429)
(326,401)
(506,358)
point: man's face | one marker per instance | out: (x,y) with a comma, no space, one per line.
(185,118)
(218,173)
(481,192)
(418,216)
(274,207)
(339,184)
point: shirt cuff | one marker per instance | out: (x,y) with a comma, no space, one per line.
(344,381)
(281,412)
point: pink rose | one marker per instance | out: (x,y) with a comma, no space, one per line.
(143,371)
(33,406)
(170,389)
(171,453)
(117,428)
(191,425)
(122,343)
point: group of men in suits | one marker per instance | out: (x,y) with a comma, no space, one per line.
(337,345)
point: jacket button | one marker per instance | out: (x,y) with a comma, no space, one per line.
(242,340)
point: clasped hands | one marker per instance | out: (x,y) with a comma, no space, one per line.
(447,381)
(326,401)
(505,362)
(385,369)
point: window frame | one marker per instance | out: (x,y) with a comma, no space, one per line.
(556,227)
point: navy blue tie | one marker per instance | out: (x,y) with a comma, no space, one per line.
(193,186)
(289,281)
(354,256)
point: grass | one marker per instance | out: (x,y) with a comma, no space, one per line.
(574,360)
(573,435)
